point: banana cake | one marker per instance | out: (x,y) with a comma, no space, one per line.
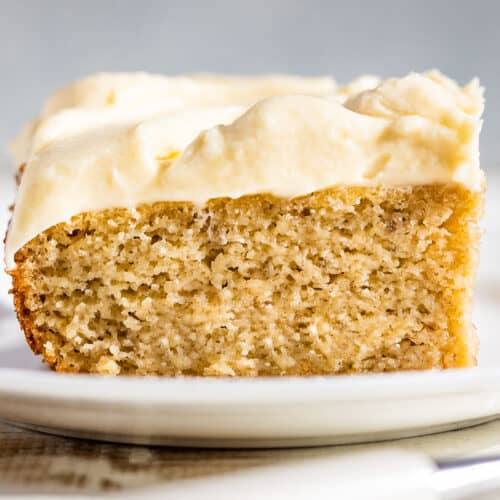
(247,226)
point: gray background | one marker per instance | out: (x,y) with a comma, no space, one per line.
(44,44)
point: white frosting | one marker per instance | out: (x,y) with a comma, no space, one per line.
(109,98)
(419,129)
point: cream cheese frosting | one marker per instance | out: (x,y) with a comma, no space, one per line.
(279,135)
(109,98)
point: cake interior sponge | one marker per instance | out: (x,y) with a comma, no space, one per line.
(348,279)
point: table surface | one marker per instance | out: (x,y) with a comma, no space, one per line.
(32,462)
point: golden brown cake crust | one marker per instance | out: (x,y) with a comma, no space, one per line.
(349,279)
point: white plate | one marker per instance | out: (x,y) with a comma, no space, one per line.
(259,412)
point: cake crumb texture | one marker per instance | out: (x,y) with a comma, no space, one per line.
(344,280)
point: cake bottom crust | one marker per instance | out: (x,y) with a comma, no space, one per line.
(345,280)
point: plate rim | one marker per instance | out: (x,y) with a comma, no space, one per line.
(18,383)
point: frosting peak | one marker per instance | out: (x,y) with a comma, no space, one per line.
(108,98)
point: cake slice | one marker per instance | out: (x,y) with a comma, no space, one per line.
(318,232)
